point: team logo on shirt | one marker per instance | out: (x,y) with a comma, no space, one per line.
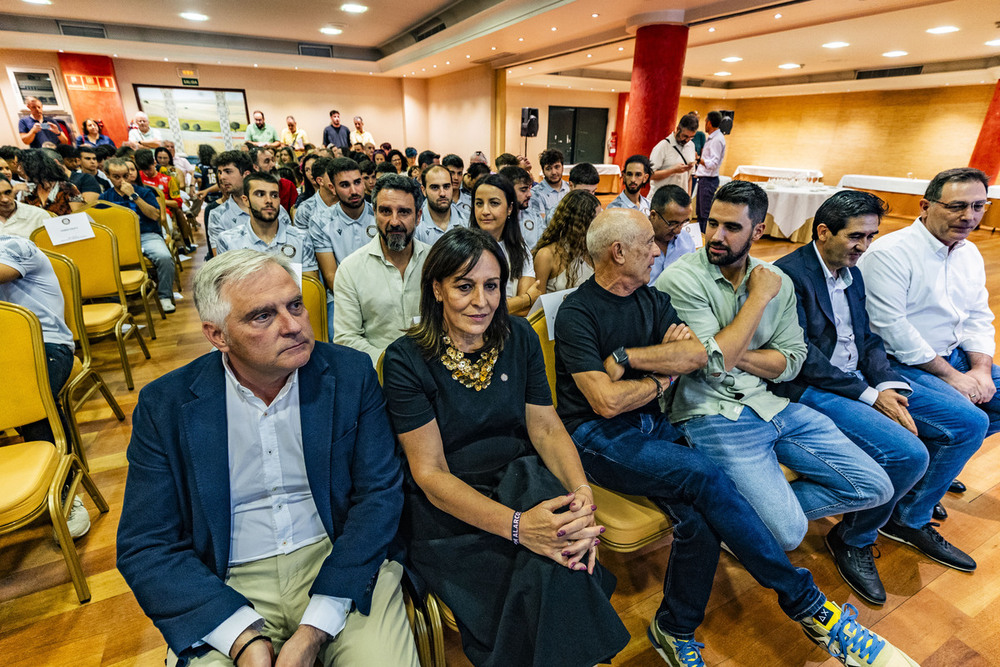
(288,250)
(370,230)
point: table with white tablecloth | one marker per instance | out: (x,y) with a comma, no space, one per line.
(610,174)
(753,172)
(790,208)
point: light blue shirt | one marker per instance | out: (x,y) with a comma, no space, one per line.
(545,198)
(37,289)
(622,201)
(290,242)
(335,231)
(428,232)
(230,215)
(533,225)
(682,244)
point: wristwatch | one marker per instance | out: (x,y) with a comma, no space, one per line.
(620,356)
(133,196)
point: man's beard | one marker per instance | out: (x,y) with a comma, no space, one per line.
(263,215)
(396,238)
(730,257)
(633,189)
(433,205)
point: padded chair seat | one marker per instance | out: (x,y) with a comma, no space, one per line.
(132,279)
(75,372)
(26,470)
(101,316)
(630,522)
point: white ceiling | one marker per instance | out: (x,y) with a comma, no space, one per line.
(590,51)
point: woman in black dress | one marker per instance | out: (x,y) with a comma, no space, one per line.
(499,518)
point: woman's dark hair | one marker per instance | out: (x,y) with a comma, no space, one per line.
(511,235)
(40,168)
(287,152)
(455,254)
(567,232)
(404,162)
(161,149)
(289,174)
(205,154)
(96,123)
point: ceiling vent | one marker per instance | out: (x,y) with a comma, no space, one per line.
(499,55)
(94,30)
(888,72)
(316,50)
(432,27)
(697,83)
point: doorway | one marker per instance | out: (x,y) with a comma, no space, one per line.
(578,132)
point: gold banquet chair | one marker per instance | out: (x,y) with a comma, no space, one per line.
(33,474)
(97,261)
(314,298)
(83,374)
(124,223)
(168,238)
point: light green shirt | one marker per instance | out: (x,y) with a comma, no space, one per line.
(707,303)
(255,134)
(373,303)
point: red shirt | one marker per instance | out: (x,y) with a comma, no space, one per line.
(288,194)
(161,182)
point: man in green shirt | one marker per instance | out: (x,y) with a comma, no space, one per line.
(262,134)
(744,313)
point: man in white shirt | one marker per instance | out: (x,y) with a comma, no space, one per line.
(142,135)
(377,293)
(18,219)
(707,171)
(439,213)
(263,489)
(674,157)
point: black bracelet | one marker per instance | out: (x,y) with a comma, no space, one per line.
(250,641)
(659,387)
(515,525)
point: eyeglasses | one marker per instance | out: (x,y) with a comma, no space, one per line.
(959,206)
(671,224)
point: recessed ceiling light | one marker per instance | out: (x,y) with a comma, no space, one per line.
(296,67)
(493,48)
(732,59)
(612,90)
(942,30)
(447,62)
(435,67)
(711,29)
(895,54)
(353,8)
(553,28)
(789,66)
(835,45)
(467,55)
(114,55)
(529,68)
(61,51)
(193,16)
(255,64)
(423,69)
(621,48)
(521,84)
(166,60)
(993,42)
(520,39)
(594,16)
(777,16)
(39,2)
(723,74)
(590,55)
(331,30)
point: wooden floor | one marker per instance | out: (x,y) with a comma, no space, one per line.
(941,616)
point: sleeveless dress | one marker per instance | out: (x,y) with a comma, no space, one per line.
(561,281)
(513,606)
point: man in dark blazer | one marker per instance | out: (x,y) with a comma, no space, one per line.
(847,377)
(264,490)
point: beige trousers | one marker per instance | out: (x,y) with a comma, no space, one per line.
(279,589)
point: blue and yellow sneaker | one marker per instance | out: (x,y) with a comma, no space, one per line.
(676,652)
(838,631)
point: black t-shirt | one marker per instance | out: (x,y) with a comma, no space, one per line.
(591,324)
(85,182)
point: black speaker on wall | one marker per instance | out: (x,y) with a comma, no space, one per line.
(727,121)
(529,122)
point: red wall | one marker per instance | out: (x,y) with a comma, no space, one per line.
(99,100)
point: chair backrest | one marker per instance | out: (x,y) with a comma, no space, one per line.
(69,283)
(96,259)
(314,297)
(541,327)
(163,211)
(124,223)
(27,397)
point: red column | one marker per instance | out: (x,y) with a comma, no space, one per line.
(93,92)
(657,68)
(986,155)
(620,154)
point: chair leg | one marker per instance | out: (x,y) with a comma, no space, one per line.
(436,630)
(58,516)
(144,295)
(123,353)
(108,396)
(75,439)
(156,300)
(138,337)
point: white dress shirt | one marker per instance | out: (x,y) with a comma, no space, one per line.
(711,155)
(667,153)
(925,300)
(271,504)
(845,353)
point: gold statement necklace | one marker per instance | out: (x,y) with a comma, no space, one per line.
(476,375)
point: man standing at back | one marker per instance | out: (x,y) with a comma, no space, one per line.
(707,171)
(35,129)
(336,135)
(263,490)
(673,159)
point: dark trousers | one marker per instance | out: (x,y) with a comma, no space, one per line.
(707,185)
(59,359)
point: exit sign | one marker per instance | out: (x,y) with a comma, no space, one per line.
(186,81)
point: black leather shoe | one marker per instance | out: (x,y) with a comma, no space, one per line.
(930,543)
(956,487)
(940,513)
(857,567)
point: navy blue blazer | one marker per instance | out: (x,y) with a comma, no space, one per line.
(816,319)
(174,533)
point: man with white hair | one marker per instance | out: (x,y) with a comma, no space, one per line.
(264,490)
(360,135)
(142,135)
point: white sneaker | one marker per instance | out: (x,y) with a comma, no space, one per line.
(168,306)
(78,519)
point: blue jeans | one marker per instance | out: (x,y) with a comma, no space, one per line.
(951,426)
(638,455)
(901,454)
(837,476)
(959,360)
(156,249)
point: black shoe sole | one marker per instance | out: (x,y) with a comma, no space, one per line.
(923,553)
(864,596)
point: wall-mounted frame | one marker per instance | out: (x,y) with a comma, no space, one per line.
(193,116)
(40,82)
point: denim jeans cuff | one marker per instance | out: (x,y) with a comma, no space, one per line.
(810,609)
(662,619)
